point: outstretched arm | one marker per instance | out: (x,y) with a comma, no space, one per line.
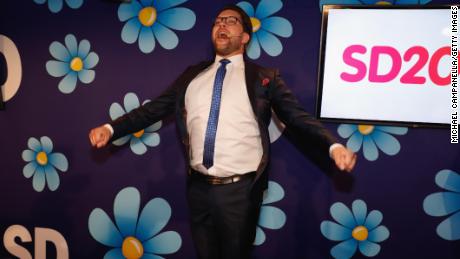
(139,118)
(306,127)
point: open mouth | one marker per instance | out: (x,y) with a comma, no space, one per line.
(222,35)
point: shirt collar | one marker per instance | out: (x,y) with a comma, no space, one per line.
(236,60)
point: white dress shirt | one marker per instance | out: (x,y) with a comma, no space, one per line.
(238,146)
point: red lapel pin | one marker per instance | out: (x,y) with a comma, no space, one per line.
(265,82)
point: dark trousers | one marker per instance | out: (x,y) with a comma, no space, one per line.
(223,218)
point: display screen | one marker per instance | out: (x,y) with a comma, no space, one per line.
(387,64)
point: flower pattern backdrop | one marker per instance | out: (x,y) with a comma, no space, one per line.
(87,62)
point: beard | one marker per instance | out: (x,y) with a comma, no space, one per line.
(232,45)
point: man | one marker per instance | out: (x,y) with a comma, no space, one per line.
(223,110)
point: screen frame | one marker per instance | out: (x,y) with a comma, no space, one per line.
(319,89)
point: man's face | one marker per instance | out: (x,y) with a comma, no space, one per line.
(228,39)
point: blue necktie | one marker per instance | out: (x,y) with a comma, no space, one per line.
(210,137)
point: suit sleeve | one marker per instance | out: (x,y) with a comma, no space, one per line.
(304,126)
(149,113)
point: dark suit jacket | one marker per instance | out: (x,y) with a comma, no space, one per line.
(266,91)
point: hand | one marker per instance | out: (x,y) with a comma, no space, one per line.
(344,158)
(99,136)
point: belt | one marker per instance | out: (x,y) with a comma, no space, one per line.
(215,180)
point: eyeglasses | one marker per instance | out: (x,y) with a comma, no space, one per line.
(228,20)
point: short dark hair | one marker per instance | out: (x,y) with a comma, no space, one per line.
(246,21)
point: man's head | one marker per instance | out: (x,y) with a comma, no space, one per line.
(231,31)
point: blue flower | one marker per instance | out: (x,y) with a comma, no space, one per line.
(42,163)
(355,229)
(264,28)
(270,217)
(372,2)
(74,61)
(134,235)
(372,138)
(147,20)
(140,139)
(275,128)
(56,5)
(446,203)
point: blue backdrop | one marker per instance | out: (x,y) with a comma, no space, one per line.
(82,63)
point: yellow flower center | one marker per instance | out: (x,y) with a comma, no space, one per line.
(139,134)
(365,129)
(42,158)
(76,64)
(255,24)
(383,3)
(132,248)
(147,16)
(360,233)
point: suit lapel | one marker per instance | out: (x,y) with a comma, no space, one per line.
(250,72)
(196,70)
(188,77)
